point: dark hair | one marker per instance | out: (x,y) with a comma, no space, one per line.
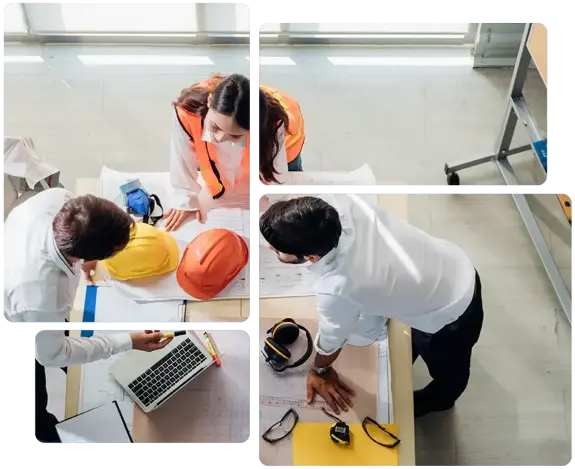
(302,227)
(231,97)
(91,228)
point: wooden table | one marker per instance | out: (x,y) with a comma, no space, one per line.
(538,45)
(399,336)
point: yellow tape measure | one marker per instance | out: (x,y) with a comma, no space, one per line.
(339,432)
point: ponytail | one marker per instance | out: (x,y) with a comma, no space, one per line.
(273,118)
(194,98)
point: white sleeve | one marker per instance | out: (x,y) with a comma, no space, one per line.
(281,166)
(183,169)
(337,321)
(53,348)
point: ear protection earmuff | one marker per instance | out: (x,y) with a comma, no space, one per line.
(275,351)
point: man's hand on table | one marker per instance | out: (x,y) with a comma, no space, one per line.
(331,388)
(149,341)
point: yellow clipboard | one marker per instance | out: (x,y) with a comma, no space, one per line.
(312,446)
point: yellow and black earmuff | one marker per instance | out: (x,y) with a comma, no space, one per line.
(282,334)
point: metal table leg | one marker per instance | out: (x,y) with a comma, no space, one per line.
(517,109)
(541,247)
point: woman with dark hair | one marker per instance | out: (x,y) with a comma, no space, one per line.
(211,143)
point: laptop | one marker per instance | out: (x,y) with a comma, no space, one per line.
(151,378)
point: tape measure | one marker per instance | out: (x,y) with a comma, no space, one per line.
(270,401)
(339,432)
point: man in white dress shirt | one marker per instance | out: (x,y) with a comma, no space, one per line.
(48,240)
(371,267)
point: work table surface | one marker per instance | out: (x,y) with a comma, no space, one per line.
(399,335)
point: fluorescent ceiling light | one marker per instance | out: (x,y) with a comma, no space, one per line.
(116,34)
(387,36)
(23,59)
(276,61)
(466,61)
(145,60)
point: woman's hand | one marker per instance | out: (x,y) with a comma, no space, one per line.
(174,218)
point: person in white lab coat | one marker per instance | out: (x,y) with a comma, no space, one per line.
(48,240)
(210,144)
(371,267)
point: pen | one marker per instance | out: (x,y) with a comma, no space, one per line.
(168,335)
(212,349)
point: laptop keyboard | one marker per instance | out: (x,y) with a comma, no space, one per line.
(167,372)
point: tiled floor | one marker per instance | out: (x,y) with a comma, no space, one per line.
(517,409)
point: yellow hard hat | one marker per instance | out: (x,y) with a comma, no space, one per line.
(150,252)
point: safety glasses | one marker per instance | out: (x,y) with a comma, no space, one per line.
(379,434)
(281,429)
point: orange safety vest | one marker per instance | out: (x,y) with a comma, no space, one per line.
(206,152)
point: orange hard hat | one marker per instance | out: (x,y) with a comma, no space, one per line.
(210,262)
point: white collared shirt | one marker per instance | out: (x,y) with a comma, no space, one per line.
(187,182)
(40,285)
(385,268)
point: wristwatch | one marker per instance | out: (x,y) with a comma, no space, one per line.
(321,370)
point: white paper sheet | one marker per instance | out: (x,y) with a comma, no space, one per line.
(276,279)
(98,386)
(282,280)
(112,306)
(100,425)
(360,176)
(232,218)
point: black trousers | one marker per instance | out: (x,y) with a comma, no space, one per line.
(45,422)
(447,354)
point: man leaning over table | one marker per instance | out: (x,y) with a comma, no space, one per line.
(370,267)
(48,240)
